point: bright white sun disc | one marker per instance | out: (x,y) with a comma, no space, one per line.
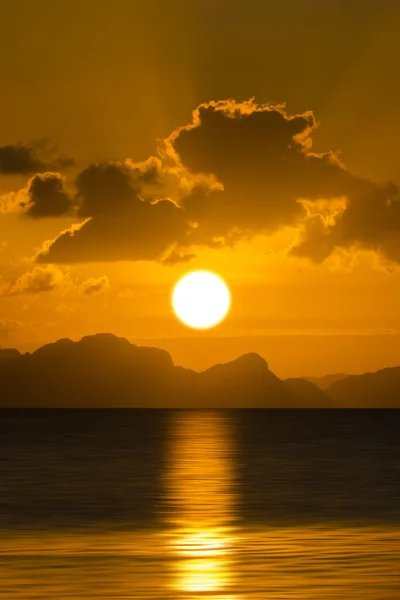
(201,299)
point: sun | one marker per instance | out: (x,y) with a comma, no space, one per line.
(201,299)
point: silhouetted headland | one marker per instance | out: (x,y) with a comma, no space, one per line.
(106,371)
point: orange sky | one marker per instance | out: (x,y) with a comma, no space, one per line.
(85,85)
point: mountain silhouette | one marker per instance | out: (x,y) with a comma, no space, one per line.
(325,381)
(106,371)
(309,392)
(370,390)
(9,353)
(243,382)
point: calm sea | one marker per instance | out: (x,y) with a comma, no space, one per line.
(230,505)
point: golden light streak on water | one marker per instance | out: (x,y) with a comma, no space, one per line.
(201,504)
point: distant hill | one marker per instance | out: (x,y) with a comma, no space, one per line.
(106,371)
(309,392)
(370,390)
(243,382)
(326,380)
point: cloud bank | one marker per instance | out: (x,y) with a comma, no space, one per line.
(49,278)
(237,170)
(19,159)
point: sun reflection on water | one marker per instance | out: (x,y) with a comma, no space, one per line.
(201,500)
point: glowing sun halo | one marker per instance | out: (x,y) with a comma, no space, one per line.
(201,299)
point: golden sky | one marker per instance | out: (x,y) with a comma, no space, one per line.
(131,126)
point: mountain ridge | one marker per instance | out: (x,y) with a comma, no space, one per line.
(372,389)
(106,371)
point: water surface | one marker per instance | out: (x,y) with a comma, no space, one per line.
(224,505)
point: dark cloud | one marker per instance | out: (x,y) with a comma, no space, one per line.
(19,159)
(369,221)
(105,189)
(176,257)
(144,232)
(48,278)
(119,224)
(40,279)
(237,170)
(263,159)
(46,197)
(25,160)
(95,285)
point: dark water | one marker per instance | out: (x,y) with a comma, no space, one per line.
(230,505)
